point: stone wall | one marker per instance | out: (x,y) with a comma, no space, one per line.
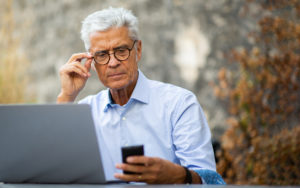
(184,42)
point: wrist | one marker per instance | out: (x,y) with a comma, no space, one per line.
(179,177)
(64,98)
(191,177)
(188,176)
(196,179)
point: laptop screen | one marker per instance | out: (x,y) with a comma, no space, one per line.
(52,143)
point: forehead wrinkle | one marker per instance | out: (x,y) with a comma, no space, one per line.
(109,39)
(112,45)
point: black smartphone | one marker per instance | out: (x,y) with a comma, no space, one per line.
(131,151)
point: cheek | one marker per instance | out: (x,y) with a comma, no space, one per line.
(134,68)
(133,65)
(100,73)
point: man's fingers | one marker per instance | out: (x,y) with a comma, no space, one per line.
(81,67)
(147,161)
(79,57)
(75,60)
(74,69)
(132,168)
(131,177)
(88,64)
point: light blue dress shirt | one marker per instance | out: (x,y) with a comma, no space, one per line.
(166,119)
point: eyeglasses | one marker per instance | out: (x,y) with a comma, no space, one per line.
(120,53)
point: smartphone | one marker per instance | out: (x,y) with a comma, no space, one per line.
(131,151)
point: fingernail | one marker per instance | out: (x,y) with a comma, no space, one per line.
(118,166)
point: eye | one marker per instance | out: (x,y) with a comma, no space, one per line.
(122,51)
(100,54)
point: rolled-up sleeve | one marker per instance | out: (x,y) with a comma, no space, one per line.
(191,135)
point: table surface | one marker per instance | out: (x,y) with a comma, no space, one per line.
(126,186)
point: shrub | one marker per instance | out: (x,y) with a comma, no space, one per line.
(261,144)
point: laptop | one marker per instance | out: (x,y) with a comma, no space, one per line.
(52,143)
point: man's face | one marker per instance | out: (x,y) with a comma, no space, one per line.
(116,74)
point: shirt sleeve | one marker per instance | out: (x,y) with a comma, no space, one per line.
(86,100)
(191,135)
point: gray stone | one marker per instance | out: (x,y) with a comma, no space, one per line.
(171,31)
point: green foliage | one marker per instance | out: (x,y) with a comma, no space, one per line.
(260,145)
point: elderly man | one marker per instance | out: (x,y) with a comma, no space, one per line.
(134,110)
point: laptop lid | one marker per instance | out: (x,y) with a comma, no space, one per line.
(53,143)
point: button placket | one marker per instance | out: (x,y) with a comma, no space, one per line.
(124,141)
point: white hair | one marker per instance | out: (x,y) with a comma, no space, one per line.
(106,19)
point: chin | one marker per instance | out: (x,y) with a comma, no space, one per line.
(118,84)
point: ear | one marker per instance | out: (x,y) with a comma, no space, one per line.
(139,50)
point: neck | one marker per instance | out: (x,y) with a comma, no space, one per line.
(122,96)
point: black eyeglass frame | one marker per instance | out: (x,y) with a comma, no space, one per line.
(114,52)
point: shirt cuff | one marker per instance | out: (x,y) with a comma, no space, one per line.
(210,177)
(203,180)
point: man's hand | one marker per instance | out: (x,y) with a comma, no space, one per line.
(153,171)
(73,76)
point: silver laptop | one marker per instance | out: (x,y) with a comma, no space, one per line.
(49,144)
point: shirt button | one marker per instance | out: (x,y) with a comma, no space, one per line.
(124,118)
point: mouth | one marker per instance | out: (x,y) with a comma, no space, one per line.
(115,75)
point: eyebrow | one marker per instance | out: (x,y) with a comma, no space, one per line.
(116,48)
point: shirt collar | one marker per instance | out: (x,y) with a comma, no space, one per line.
(140,92)
(107,100)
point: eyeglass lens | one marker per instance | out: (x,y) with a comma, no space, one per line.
(121,54)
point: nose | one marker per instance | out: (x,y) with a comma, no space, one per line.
(113,62)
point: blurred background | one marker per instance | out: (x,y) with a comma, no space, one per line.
(241,58)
